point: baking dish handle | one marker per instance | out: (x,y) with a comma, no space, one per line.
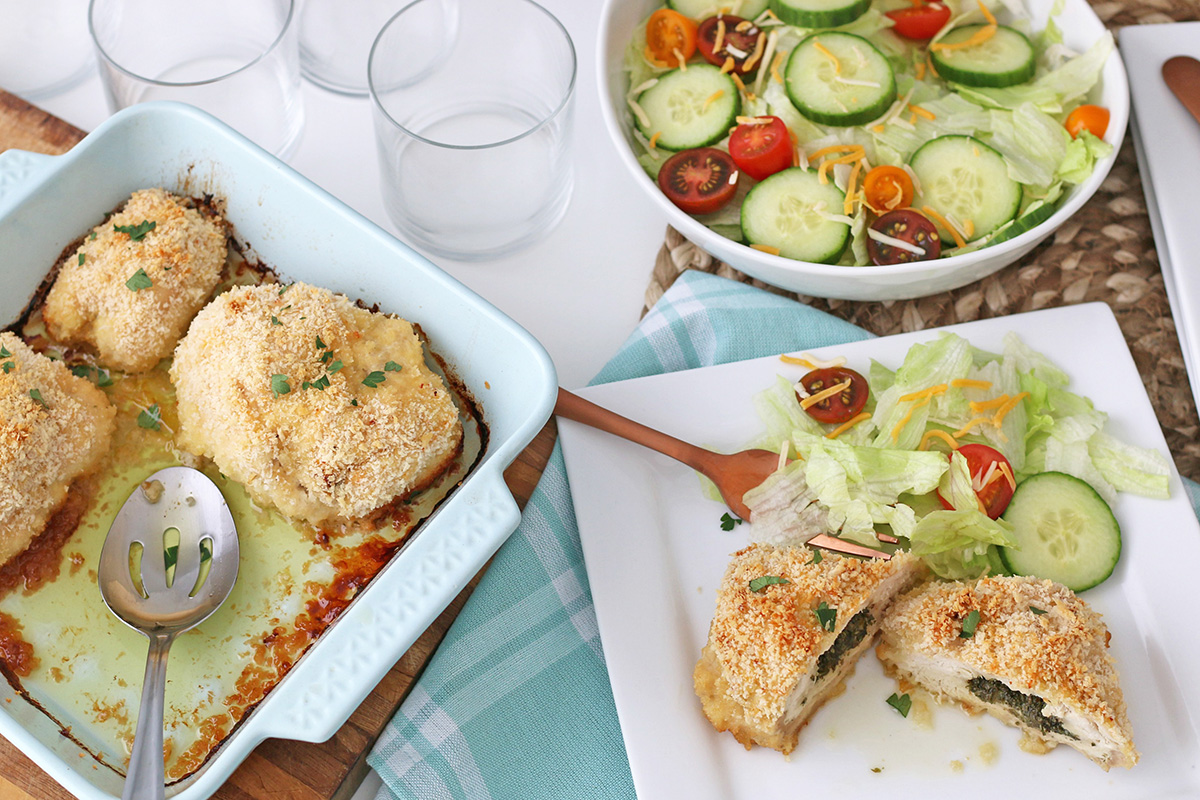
(329,684)
(20,172)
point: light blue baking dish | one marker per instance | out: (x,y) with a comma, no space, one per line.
(305,234)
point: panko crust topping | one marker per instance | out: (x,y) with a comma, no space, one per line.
(319,408)
(54,427)
(131,295)
(1060,655)
(767,641)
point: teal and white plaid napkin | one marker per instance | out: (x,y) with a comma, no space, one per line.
(516,702)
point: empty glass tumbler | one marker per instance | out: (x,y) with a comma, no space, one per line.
(236,59)
(472,108)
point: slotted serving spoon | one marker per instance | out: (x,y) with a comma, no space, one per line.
(162,590)
(733,474)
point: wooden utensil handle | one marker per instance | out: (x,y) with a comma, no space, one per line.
(574,407)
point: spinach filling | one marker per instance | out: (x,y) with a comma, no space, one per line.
(1027,707)
(850,637)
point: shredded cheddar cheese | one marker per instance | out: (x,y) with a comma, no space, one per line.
(988,405)
(758,51)
(930,435)
(728,65)
(932,69)
(908,418)
(765,248)
(968,228)
(825,394)
(986,13)
(712,98)
(968,383)
(879,128)
(654,139)
(970,426)
(938,218)
(719,39)
(827,164)
(1006,470)
(919,70)
(823,50)
(922,112)
(682,61)
(847,425)
(1004,410)
(851,187)
(925,393)
(737,80)
(979,37)
(775,65)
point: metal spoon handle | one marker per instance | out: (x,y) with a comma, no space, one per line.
(145,779)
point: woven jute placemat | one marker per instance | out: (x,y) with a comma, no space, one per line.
(1105,252)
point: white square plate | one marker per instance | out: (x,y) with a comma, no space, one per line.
(655,554)
(1167,141)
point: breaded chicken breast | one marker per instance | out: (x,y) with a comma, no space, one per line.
(135,283)
(54,427)
(1038,660)
(777,651)
(319,408)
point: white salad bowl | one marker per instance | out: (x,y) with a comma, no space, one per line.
(305,234)
(1080,28)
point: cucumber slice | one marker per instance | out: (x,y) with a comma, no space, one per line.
(839,79)
(819,13)
(1025,222)
(962,177)
(782,212)
(1005,59)
(690,108)
(703,9)
(1064,530)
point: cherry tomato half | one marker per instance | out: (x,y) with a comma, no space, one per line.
(920,22)
(843,406)
(887,188)
(670,36)
(994,497)
(1090,118)
(699,181)
(761,148)
(907,226)
(744,41)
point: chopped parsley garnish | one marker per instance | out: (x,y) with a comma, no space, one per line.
(84,370)
(37,398)
(900,702)
(136,232)
(374,379)
(82,258)
(151,418)
(1036,610)
(392,366)
(92,236)
(758,585)
(969,624)
(275,320)
(319,384)
(335,366)
(354,401)
(728,522)
(284,289)
(826,616)
(4,352)
(8,366)
(138,281)
(321,345)
(817,557)
(328,354)
(279,384)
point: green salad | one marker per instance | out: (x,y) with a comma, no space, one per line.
(978,462)
(861,132)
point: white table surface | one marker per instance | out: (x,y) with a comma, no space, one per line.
(579,290)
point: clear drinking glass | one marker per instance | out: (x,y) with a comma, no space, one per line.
(236,59)
(472,107)
(335,38)
(43,46)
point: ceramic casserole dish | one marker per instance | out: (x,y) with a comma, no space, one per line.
(304,234)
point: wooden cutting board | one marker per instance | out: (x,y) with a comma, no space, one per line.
(280,769)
